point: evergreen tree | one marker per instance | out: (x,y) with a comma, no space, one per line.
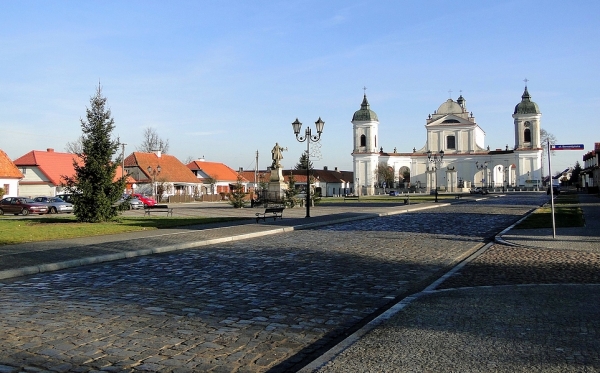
(94,190)
(304,163)
(237,195)
(289,198)
(575,174)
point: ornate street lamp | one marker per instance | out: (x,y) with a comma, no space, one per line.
(296,125)
(154,173)
(436,159)
(482,167)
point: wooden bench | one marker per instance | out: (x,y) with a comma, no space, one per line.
(270,212)
(351,198)
(158,208)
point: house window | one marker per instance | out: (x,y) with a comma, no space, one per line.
(450,142)
(363,140)
(24,170)
(6,188)
(527,135)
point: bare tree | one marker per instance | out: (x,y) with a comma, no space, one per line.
(75,147)
(153,142)
(385,174)
(546,137)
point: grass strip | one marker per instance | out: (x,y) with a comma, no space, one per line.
(15,231)
(564,217)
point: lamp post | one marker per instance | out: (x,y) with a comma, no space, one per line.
(481,167)
(296,125)
(154,173)
(436,159)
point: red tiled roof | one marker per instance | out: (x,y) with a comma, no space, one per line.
(52,164)
(216,170)
(8,170)
(171,169)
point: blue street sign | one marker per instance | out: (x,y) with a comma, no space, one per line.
(567,147)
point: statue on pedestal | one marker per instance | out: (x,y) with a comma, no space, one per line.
(277,156)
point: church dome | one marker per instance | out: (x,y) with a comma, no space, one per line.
(526,106)
(449,107)
(365,113)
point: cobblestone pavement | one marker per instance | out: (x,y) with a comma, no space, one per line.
(511,309)
(267,304)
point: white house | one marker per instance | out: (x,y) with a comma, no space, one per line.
(9,176)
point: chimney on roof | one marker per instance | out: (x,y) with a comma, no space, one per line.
(50,150)
(324,168)
(158,153)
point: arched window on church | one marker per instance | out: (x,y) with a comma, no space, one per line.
(363,140)
(450,142)
(527,135)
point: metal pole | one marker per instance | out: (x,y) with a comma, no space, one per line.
(308,172)
(551,192)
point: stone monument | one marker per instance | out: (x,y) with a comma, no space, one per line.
(277,184)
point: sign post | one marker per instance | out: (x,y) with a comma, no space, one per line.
(557,147)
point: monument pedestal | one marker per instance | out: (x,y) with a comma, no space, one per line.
(277,185)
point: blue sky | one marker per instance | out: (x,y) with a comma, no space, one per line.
(223,79)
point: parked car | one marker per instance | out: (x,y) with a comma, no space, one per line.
(147,201)
(66,197)
(134,203)
(555,190)
(22,205)
(479,190)
(393,193)
(55,205)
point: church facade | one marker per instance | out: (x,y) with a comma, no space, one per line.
(454,157)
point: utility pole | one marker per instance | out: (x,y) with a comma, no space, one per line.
(256,173)
(123,159)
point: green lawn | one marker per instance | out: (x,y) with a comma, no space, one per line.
(566,214)
(14,231)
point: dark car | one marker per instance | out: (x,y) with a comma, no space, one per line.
(393,193)
(22,205)
(55,205)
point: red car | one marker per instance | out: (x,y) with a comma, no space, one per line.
(147,201)
(22,205)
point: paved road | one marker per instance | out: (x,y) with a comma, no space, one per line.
(269,304)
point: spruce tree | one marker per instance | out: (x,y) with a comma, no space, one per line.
(95,192)
(304,163)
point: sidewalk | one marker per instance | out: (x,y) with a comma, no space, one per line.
(587,237)
(36,257)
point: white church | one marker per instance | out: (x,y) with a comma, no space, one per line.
(454,157)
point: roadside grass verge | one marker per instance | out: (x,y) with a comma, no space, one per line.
(15,231)
(564,216)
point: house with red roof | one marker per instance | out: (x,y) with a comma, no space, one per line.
(216,177)
(9,176)
(162,172)
(327,183)
(44,172)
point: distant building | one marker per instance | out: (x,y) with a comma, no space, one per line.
(156,171)
(466,161)
(590,174)
(215,177)
(44,172)
(9,176)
